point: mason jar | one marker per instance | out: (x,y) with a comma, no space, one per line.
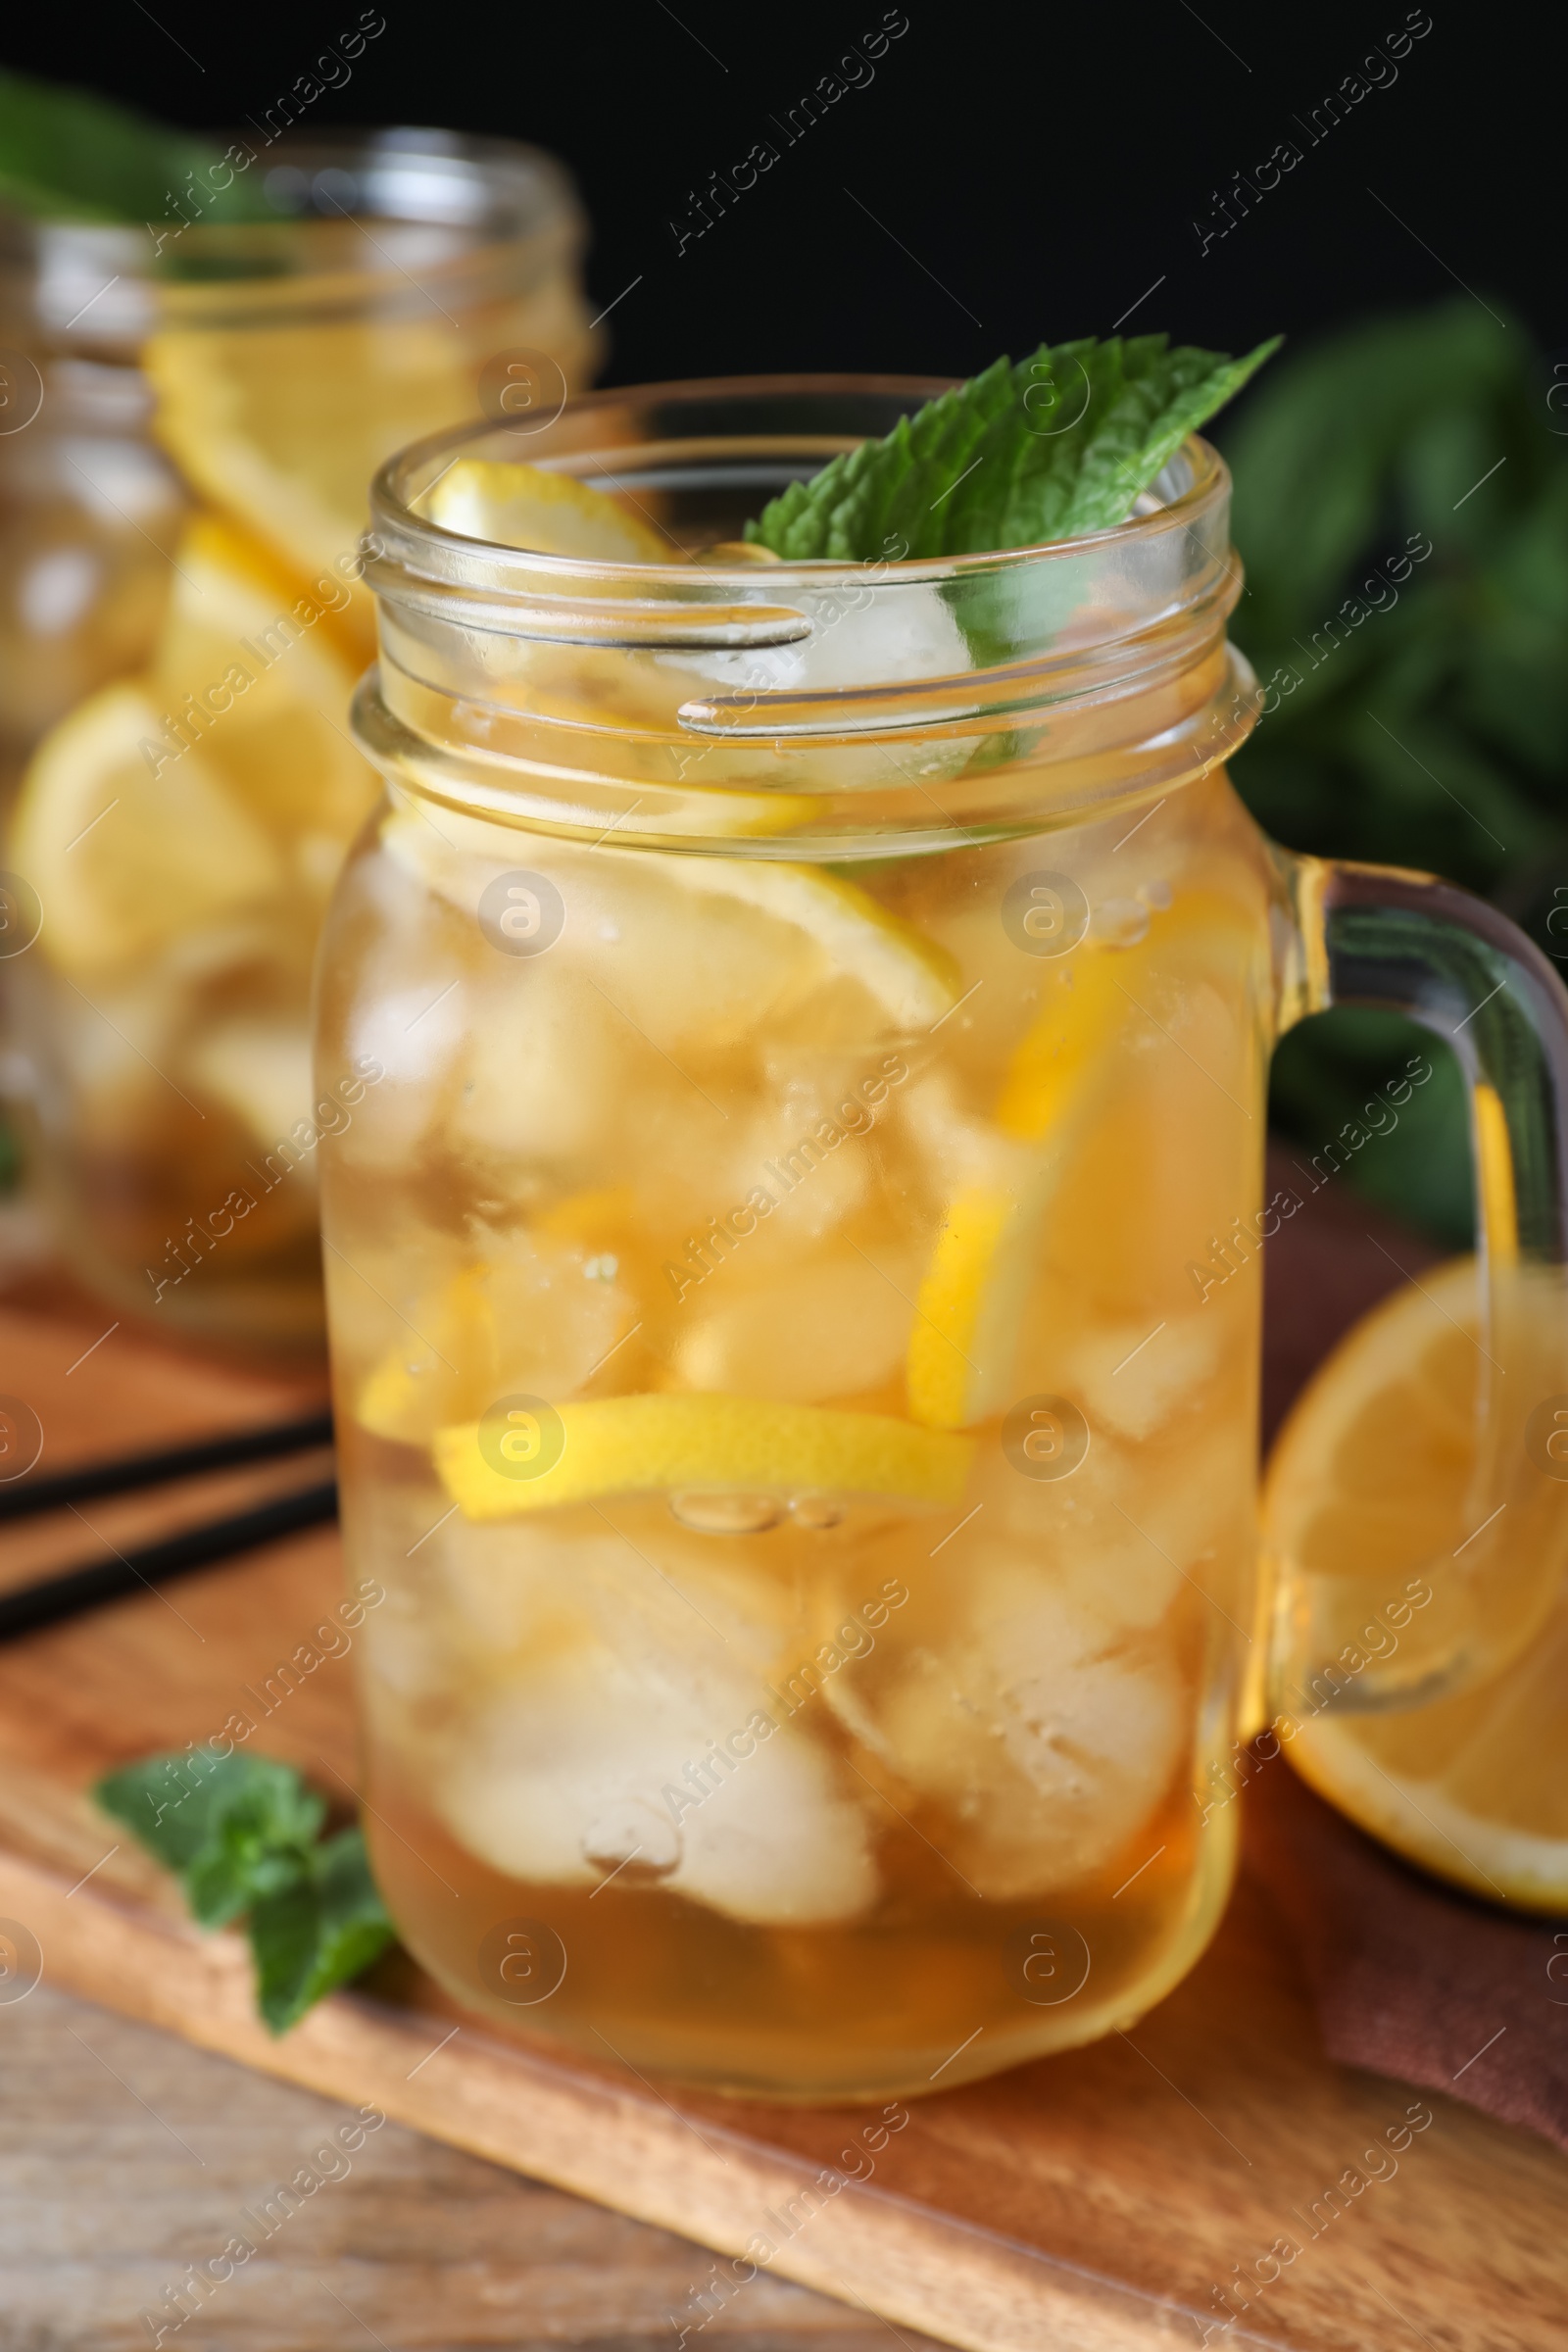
(808,1026)
(192,412)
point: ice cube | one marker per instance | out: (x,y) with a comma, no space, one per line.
(691,977)
(1095,1533)
(518,1317)
(695,972)
(828,1326)
(409,1023)
(859,637)
(544,1068)
(620,1699)
(1131,1380)
(1047,1741)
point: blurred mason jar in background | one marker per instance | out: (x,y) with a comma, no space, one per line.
(190,414)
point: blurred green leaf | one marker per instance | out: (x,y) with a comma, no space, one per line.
(243,1833)
(1433,730)
(321,1929)
(180,1805)
(258,1846)
(69,155)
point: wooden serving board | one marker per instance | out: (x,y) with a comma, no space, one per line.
(1091,2201)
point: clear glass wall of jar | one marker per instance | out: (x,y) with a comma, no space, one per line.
(801,1026)
(183,620)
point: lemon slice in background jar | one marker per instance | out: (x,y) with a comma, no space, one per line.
(662,1443)
(1364,1508)
(283,426)
(260,1071)
(125,861)
(273,672)
(550,514)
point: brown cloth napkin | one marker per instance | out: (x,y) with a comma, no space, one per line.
(1409,1978)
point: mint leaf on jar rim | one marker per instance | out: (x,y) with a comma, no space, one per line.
(1046,449)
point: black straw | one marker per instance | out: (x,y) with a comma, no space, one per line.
(73,1590)
(124,1472)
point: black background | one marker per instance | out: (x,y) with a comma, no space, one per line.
(1033,170)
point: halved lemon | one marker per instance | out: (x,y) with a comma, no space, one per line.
(657,1443)
(1367,1516)
(552,513)
(126,861)
(1370,1475)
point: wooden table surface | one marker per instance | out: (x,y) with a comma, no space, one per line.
(125,2155)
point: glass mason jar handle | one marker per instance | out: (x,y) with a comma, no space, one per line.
(1375,935)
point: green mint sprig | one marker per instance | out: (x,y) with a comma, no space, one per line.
(243,1834)
(69,154)
(1046,449)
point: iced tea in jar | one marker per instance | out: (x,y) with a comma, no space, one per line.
(182,622)
(811,1018)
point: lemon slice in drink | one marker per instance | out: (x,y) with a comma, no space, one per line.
(532,1314)
(552,513)
(969,1306)
(972,1300)
(125,861)
(971,1303)
(533,1459)
(912,977)
(1369,1481)
(419,1383)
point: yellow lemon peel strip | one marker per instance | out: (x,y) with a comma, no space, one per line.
(652,1443)
(973,1295)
